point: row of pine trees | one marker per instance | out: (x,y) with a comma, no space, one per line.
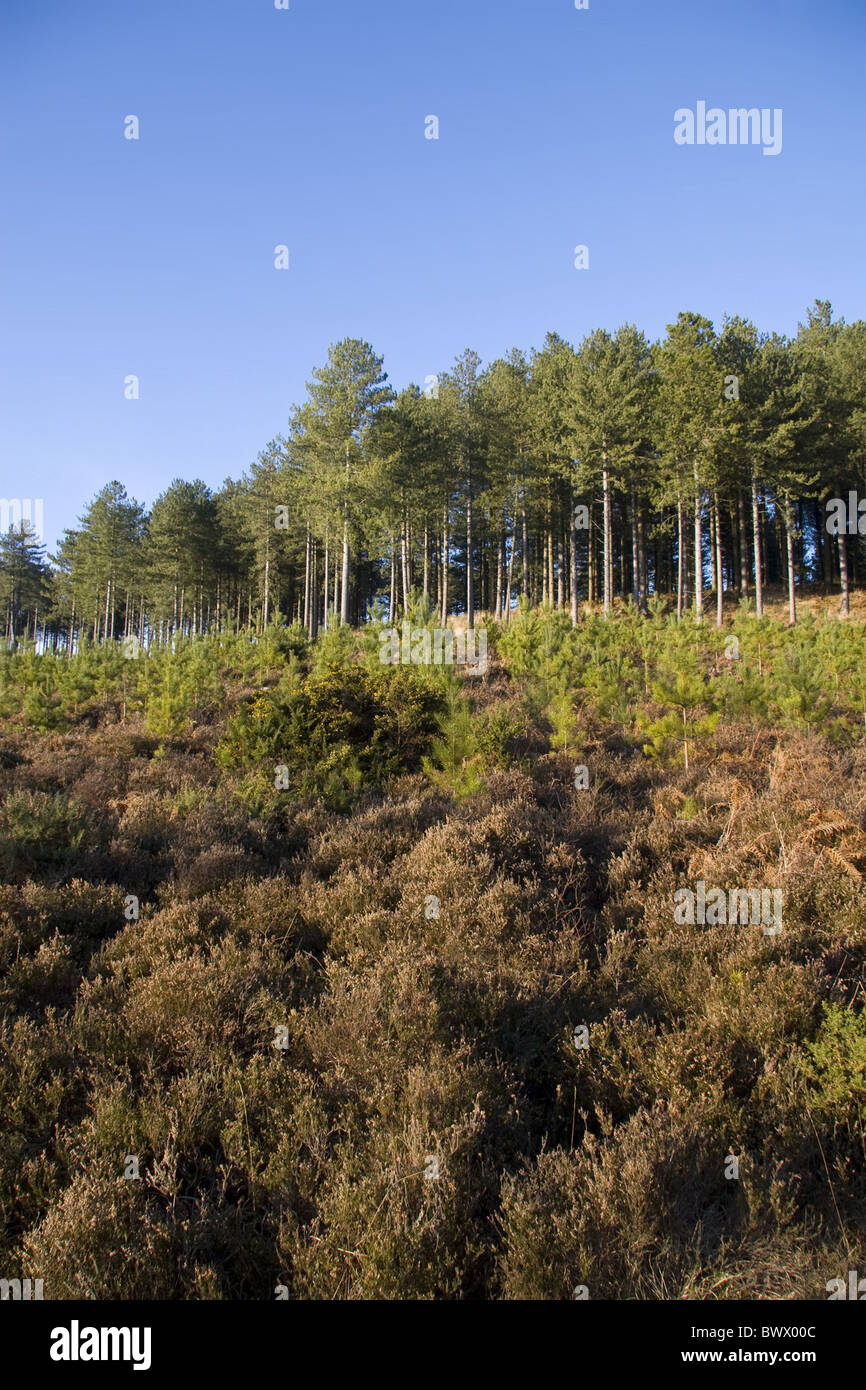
(698,465)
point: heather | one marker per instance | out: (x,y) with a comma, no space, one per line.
(386,1001)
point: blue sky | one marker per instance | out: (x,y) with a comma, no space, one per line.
(306,127)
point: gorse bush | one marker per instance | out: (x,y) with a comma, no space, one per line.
(338,730)
(38,828)
(835,1065)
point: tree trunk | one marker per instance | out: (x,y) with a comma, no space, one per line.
(699,548)
(744,542)
(267,593)
(500,556)
(642,560)
(608,537)
(404,559)
(681,539)
(307,580)
(549,559)
(344,595)
(572,563)
(313,624)
(756,527)
(392,593)
(426,573)
(792,592)
(824,547)
(438,569)
(843,574)
(720,579)
(560,572)
(445,566)
(510,578)
(470,590)
(635,552)
(325,584)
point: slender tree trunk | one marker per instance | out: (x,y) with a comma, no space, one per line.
(825,548)
(392,594)
(404,563)
(560,572)
(470,591)
(756,528)
(306,618)
(843,574)
(507,610)
(426,572)
(437,564)
(699,548)
(445,565)
(325,583)
(681,547)
(608,533)
(266,599)
(720,579)
(635,552)
(499,561)
(549,555)
(744,542)
(792,592)
(344,594)
(572,560)
(643,560)
(314,612)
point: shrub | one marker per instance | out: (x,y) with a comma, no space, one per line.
(38,829)
(337,732)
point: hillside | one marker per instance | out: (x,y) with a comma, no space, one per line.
(331,979)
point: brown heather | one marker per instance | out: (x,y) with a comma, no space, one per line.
(413,1035)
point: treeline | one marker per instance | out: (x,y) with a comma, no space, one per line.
(620,468)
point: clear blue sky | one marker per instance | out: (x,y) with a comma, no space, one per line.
(306,127)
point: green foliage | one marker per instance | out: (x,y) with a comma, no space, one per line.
(38,828)
(455,762)
(835,1067)
(340,730)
